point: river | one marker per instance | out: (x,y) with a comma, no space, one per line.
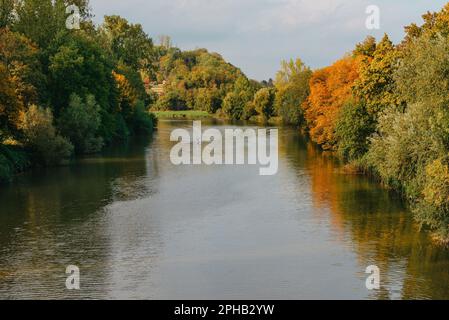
(139,227)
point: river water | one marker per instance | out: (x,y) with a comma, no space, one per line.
(139,227)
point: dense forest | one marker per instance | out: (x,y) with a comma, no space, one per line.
(68,91)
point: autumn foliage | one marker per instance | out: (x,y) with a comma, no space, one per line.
(330,88)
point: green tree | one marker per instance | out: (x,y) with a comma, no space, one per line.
(42,20)
(36,20)
(78,64)
(233,106)
(80,122)
(292,84)
(422,74)
(353,129)
(236,102)
(208,99)
(376,85)
(128,42)
(264,102)
(200,79)
(409,151)
(249,111)
(434,23)
(406,143)
(366,48)
(374,91)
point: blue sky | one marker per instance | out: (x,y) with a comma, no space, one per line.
(256,34)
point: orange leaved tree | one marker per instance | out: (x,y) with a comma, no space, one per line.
(330,89)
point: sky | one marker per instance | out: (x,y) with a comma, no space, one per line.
(255,35)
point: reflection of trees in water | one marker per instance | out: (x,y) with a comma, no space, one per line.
(377,224)
(52,218)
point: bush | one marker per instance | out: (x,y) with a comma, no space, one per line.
(406,143)
(41,138)
(407,154)
(80,122)
(433,209)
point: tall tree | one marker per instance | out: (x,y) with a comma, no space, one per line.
(42,20)
(77,64)
(376,85)
(292,85)
(434,23)
(129,43)
(330,89)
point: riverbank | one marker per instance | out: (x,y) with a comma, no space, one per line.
(15,159)
(199,115)
(185,115)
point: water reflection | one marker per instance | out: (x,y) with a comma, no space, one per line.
(139,227)
(376,224)
(53,218)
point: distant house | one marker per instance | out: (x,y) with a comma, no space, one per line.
(159,89)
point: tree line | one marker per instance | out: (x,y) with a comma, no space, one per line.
(384,109)
(199,80)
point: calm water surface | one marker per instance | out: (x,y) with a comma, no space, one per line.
(139,227)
